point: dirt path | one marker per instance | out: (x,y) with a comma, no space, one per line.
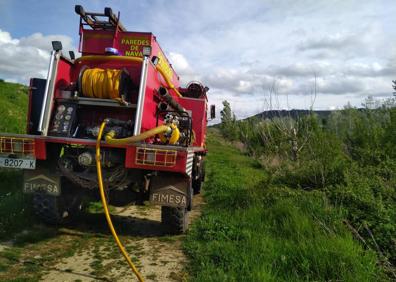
(86,251)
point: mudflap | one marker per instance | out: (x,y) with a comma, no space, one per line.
(41,181)
(171,190)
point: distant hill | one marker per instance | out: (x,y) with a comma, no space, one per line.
(284,113)
(290,113)
(13,107)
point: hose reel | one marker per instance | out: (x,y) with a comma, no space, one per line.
(196,90)
(104,83)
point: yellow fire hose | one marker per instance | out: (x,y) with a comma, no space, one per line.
(160,130)
(101,83)
(170,85)
(132,59)
(175,134)
(133,139)
(106,209)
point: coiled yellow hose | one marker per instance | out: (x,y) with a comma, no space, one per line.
(106,209)
(101,83)
(131,59)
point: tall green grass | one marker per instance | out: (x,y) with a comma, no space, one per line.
(350,157)
(15,211)
(252,230)
(15,207)
(13,107)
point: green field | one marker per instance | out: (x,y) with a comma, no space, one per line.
(254,231)
(300,198)
(15,214)
(13,107)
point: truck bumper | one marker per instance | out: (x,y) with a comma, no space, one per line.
(139,156)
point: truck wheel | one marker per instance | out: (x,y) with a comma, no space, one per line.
(175,220)
(197,183)
(49,209)
(56,210)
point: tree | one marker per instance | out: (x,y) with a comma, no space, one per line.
(228,121)
(226,114)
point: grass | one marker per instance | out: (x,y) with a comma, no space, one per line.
(15,207)
(15,212)
(252,231)
(97,208)
(13,107)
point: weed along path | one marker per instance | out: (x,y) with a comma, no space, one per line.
(85,251)
(254,229)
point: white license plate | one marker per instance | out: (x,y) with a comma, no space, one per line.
(18,163)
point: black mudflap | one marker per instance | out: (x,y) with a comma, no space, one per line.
(41,181)
(172,190)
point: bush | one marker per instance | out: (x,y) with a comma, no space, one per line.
(370,200)
(351,156)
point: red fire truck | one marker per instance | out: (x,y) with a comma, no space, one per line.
(117,110)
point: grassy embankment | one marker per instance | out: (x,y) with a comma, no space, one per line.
(13,107)
(14,208)
(254,230)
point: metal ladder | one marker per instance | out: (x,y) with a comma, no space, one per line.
(99,21)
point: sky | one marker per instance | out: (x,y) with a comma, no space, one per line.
(258,55)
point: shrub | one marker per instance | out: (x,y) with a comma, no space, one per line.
(351,156)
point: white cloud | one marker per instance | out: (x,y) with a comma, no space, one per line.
(42,42)
(27,57)
(346,44)
(242,49)
(5,37)
(183,68)
(330,41)
(179,62)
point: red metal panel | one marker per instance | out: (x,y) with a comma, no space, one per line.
(63,76)
(94,42)
(131,43)
(150,105)
(199,118)
(164,64)
(40,149)
(180,166)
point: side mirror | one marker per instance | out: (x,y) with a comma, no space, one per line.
(212,111)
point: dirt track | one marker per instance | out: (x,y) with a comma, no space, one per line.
(85,251)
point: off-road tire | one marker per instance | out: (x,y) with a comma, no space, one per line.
(174,220)
(197,186)
(49,209)
(197,183)
(57,210)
